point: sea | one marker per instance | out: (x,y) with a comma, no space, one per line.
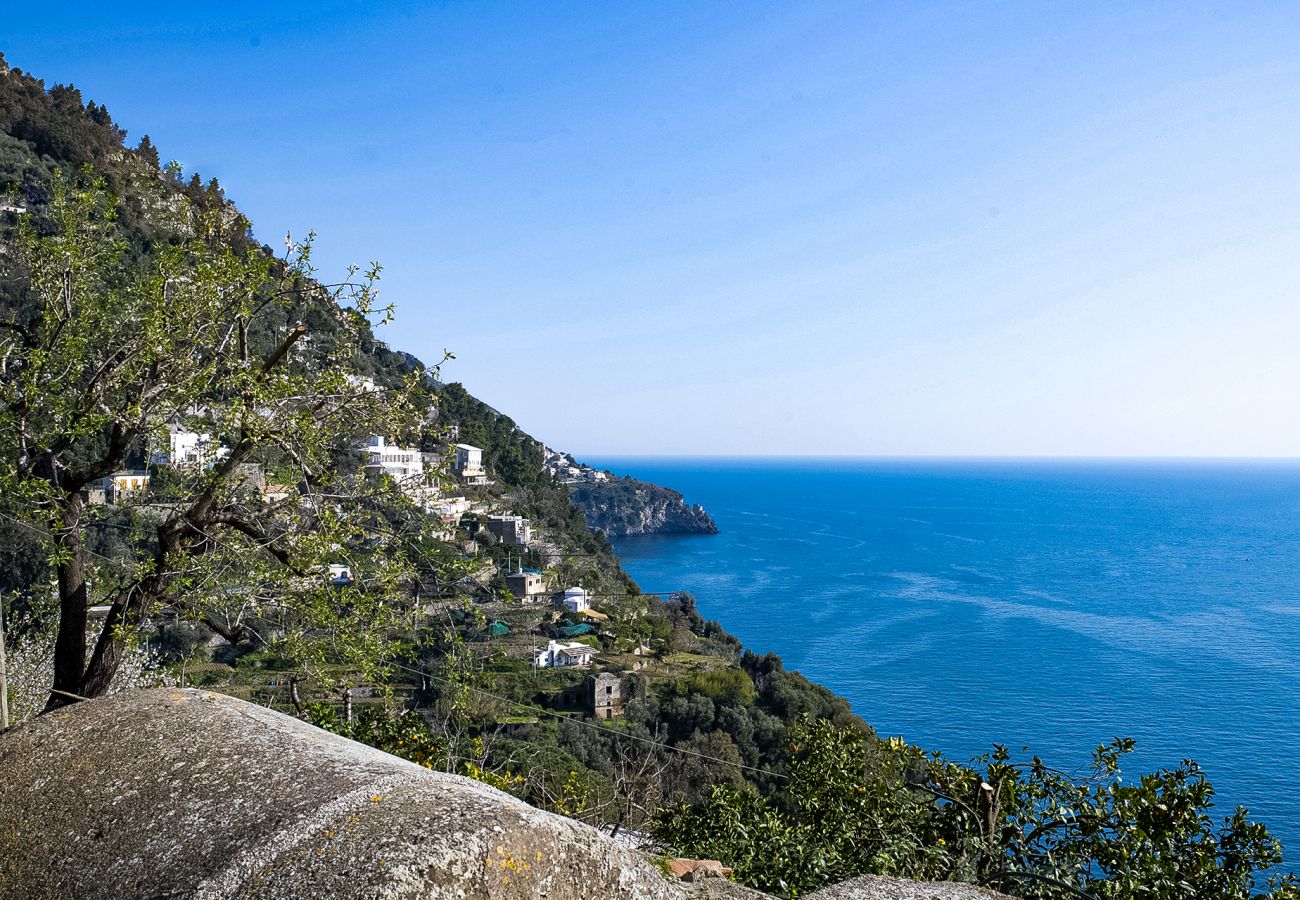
(1048,606)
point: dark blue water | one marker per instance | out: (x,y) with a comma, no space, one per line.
(1046,604)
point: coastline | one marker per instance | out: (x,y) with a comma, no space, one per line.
(929,637)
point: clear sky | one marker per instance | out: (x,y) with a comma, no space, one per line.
(745,228)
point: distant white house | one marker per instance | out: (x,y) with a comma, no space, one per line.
(402,464)
(469,464)
(449,509)
(362,383)
(120,485)
(557,655)
(340,573)
(576,600)
(187,448)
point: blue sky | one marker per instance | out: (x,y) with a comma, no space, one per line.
(805,228)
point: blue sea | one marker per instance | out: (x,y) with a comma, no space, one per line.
(1043,604)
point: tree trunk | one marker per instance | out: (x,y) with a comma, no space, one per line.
(347,705)
(126,613)
(129,607)
(294,697)
(108,656)
(230,635)
(70,644)
(4,672)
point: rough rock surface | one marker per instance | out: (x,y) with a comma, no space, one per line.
(625,506)
(874,887)
(172,793)
(721,889)
(184,793)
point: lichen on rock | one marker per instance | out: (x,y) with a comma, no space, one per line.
(184,793)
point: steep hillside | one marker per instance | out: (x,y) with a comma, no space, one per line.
(688,682)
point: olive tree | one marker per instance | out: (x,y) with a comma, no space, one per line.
(103,348)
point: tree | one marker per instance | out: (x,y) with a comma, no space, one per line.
(856,805)
(30,667)
(148,152)
(100,354)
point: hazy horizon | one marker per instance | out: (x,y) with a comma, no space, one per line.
(826,229)
(933,457)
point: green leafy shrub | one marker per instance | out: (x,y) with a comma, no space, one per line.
(855,805)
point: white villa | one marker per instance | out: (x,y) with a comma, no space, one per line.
(557,655)
(449,509)
(120,485)
(399,463)
(576,600)
(186,448)
(469,464)
(275,493)
(363,383)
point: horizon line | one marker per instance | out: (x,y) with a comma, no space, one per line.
(937,457)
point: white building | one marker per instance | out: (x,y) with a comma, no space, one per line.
(340,573)
(187,448)
(576,600)
(469,464)
(557,655)
(362,383)
(449,509)
(120,485)
(402,464)
(275,493)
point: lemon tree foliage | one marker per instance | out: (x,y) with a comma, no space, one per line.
(857,805)
(101,351)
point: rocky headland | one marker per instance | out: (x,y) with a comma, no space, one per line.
(625,506)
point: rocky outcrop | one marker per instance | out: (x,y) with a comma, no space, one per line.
(875,887)
(184,793)
(170,793)
(624,506)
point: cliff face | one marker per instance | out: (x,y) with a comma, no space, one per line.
(625,506)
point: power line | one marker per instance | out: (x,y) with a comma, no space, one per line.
(45,534)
